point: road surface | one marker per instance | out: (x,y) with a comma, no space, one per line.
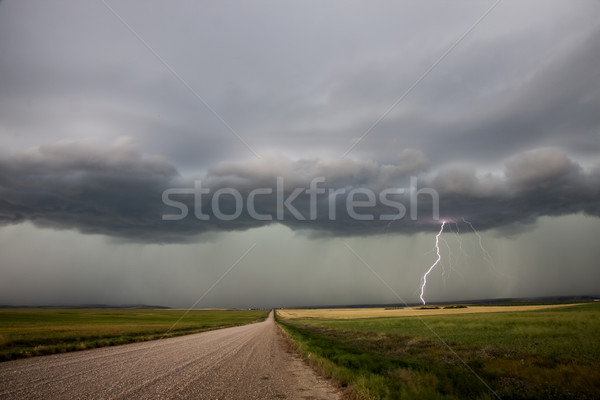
(245,362)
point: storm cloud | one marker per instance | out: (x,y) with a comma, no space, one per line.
(115,190)
(105,109)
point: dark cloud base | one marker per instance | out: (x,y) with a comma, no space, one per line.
(116,191)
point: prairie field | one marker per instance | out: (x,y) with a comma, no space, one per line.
(33,332)
(511,352)
(380,312)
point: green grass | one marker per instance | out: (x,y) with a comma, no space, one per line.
(541,354)
(33,332)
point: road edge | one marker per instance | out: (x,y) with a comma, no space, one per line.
(313,362)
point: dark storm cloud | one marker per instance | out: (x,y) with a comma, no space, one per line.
(116,191)
(83,185)
(506,128)
(518,82)
(538,183)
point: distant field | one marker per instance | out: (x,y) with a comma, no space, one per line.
(31,332)
(354,313)
(543,353)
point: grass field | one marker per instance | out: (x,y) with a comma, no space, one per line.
(549,353)
(32,332)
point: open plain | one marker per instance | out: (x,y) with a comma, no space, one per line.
(522,352)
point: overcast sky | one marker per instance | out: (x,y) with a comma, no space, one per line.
(104,105)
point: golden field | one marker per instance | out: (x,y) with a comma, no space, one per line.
(351,313)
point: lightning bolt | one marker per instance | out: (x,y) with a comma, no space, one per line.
(438,238)
(437,261)
(451,262)
(442,265)
(460,246)
(486,255)
(458,237)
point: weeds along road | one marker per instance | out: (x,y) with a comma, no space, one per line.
(245,362)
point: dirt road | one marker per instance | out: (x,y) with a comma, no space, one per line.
(245,362)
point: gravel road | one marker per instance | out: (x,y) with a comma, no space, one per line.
(245,362)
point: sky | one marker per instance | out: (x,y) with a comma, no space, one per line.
(127,129)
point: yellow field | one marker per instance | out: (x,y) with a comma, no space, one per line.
(350,313)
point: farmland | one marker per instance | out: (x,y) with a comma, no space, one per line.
(355,313)
(32,332)
(518,353)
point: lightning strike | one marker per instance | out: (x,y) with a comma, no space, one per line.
(437,261)
(458,237)
(445,274)
(487,255)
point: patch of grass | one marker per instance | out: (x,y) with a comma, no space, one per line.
(568,333)
(34,332)
(545,354)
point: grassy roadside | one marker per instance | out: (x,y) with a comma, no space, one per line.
(546,354)
(34,332)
